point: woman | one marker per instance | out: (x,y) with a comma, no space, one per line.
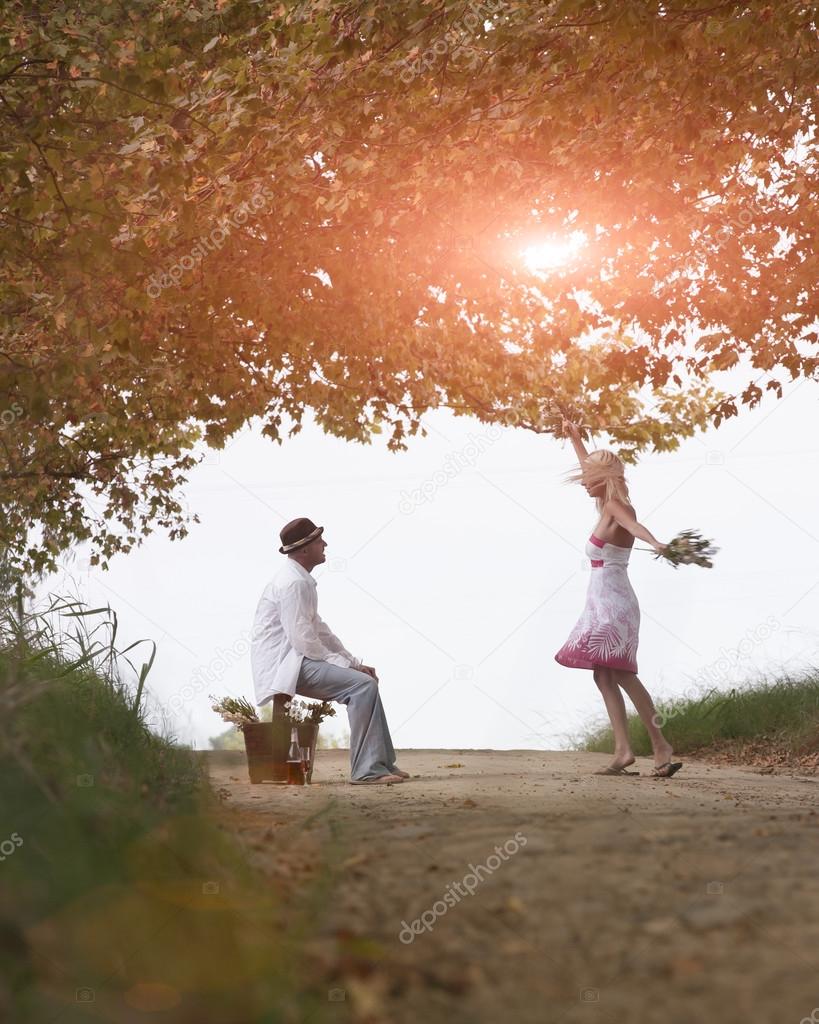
(605,637)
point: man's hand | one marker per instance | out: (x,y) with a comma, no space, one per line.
(369,670)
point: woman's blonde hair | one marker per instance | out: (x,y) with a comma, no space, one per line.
(604,467)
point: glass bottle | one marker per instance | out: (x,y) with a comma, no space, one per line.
(295,776)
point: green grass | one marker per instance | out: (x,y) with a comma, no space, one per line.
(118,886)
(783,712)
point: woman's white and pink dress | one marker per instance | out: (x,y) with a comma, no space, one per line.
(607,632)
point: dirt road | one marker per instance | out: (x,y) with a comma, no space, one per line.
(517,886)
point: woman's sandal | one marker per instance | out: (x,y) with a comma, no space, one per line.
(658,772)
(614,771)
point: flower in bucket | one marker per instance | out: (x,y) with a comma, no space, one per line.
(311,712)
(689,548)
(236,710)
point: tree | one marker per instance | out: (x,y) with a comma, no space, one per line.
(226,210)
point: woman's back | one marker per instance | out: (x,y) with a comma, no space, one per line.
(611,532)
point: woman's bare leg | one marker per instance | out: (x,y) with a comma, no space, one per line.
(644,705)
(616,708)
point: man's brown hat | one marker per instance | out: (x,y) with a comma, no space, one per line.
(297,533)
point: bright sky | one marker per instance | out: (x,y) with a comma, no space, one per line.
(457,569)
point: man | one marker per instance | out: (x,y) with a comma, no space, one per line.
(294,651)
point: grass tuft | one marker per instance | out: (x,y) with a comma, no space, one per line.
(121,895)
(781,713)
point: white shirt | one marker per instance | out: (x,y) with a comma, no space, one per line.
(288,628)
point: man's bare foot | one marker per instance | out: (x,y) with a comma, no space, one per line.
(379,780)
(397,771)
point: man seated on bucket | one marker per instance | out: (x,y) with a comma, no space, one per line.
(294,651)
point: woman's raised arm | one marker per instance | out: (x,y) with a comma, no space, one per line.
(572,431)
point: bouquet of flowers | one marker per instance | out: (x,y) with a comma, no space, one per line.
(236,710)
(299,711)
(689,548)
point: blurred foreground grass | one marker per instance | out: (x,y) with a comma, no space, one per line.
(121,898)
(777,719)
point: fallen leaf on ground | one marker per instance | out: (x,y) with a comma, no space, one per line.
(357,858)
(368,995)
(685,966)
(660,925)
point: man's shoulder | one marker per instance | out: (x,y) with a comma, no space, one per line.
(289,576)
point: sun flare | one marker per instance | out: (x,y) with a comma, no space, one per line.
(552,253)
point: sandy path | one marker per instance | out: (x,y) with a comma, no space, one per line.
(630,899)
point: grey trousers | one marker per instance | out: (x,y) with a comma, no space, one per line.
(371,750)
